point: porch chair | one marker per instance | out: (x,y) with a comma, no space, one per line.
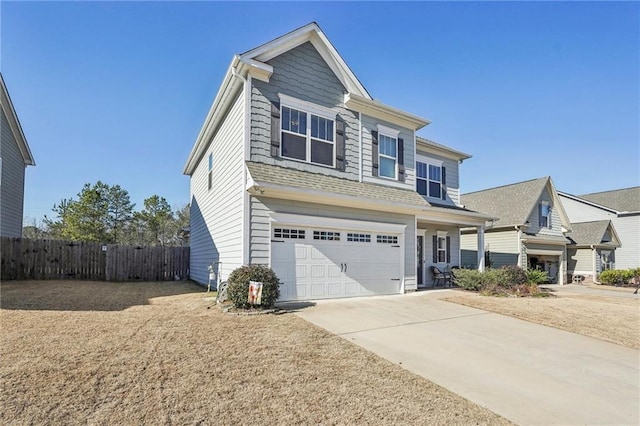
(438,275)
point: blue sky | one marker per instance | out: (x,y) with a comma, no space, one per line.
(117,91)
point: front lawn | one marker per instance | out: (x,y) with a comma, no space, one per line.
(162,353)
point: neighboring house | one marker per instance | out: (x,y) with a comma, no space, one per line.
(622,208)
(592,248)
(530,231)
(15,156)
(298,167)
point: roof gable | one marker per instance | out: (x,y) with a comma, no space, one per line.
(513,204)
(313,34)
(14,124)
(594,233)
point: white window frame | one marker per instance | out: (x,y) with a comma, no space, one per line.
(441,235)
(210,172)
(547,223)
(310,109)
(434,163)
(391,134)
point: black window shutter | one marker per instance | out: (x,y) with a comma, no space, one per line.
(444,183)
(448,249)
(275,129)
(340,145)
(401,160)
(435,248)
(374,153)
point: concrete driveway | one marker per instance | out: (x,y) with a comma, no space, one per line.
(527,373)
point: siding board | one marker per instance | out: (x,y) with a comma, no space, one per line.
(11,183)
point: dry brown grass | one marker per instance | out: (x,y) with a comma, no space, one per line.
(612,319)
(160,353)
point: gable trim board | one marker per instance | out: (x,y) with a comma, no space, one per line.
(14,124)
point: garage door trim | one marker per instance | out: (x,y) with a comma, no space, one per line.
(328,222)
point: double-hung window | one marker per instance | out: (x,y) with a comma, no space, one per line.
(442,247)
(307,136)
(388,156)
(545,214)
(430,180)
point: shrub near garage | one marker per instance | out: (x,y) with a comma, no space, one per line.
(506,281)
(238,285)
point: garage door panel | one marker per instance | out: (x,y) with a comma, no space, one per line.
(317,269)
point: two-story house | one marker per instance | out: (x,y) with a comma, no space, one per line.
(298,167)
(622,208)
(530,229)
(15,156)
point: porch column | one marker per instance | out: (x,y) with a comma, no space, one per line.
(480,248)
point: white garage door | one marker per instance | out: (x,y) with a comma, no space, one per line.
(314,263)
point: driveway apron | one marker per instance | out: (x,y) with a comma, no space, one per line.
(525,372)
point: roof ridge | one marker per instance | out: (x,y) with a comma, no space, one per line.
(507,185)
(608,191)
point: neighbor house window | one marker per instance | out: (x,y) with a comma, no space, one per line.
(430,180)
(545,215)
(442,247)
(387,156)
(307,137)
(210,176)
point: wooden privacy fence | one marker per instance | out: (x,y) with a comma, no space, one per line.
(26,259)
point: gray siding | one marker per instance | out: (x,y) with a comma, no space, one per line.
(556,224)
(260,238)
(628,229)
(453,177)
(369,124)
(580,261)
(502,245)
(581,212)
(11,183)
(302,74)
(217,214)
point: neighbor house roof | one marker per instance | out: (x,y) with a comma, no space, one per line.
(14,124)
(622,200)
(593,233)
(441,149)
(514,203)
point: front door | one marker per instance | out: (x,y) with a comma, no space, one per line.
(419,262)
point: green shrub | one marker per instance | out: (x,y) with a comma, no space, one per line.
(238,285)
(469,279)
(617,276)
(536,276)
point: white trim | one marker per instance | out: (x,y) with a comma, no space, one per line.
(388,131)
(14,125)
(542,252)
(309,107)
(327,222)
(380,111)
(360,149)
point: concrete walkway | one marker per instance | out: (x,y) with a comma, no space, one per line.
(525,372)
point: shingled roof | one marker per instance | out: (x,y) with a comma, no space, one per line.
(512,204)
(622,200)
(592,233)
(261,172)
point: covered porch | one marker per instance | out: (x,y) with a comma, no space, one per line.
(438,242)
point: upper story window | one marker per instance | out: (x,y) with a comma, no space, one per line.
(388,155)
(544,210)
(430,180)
(307,137)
